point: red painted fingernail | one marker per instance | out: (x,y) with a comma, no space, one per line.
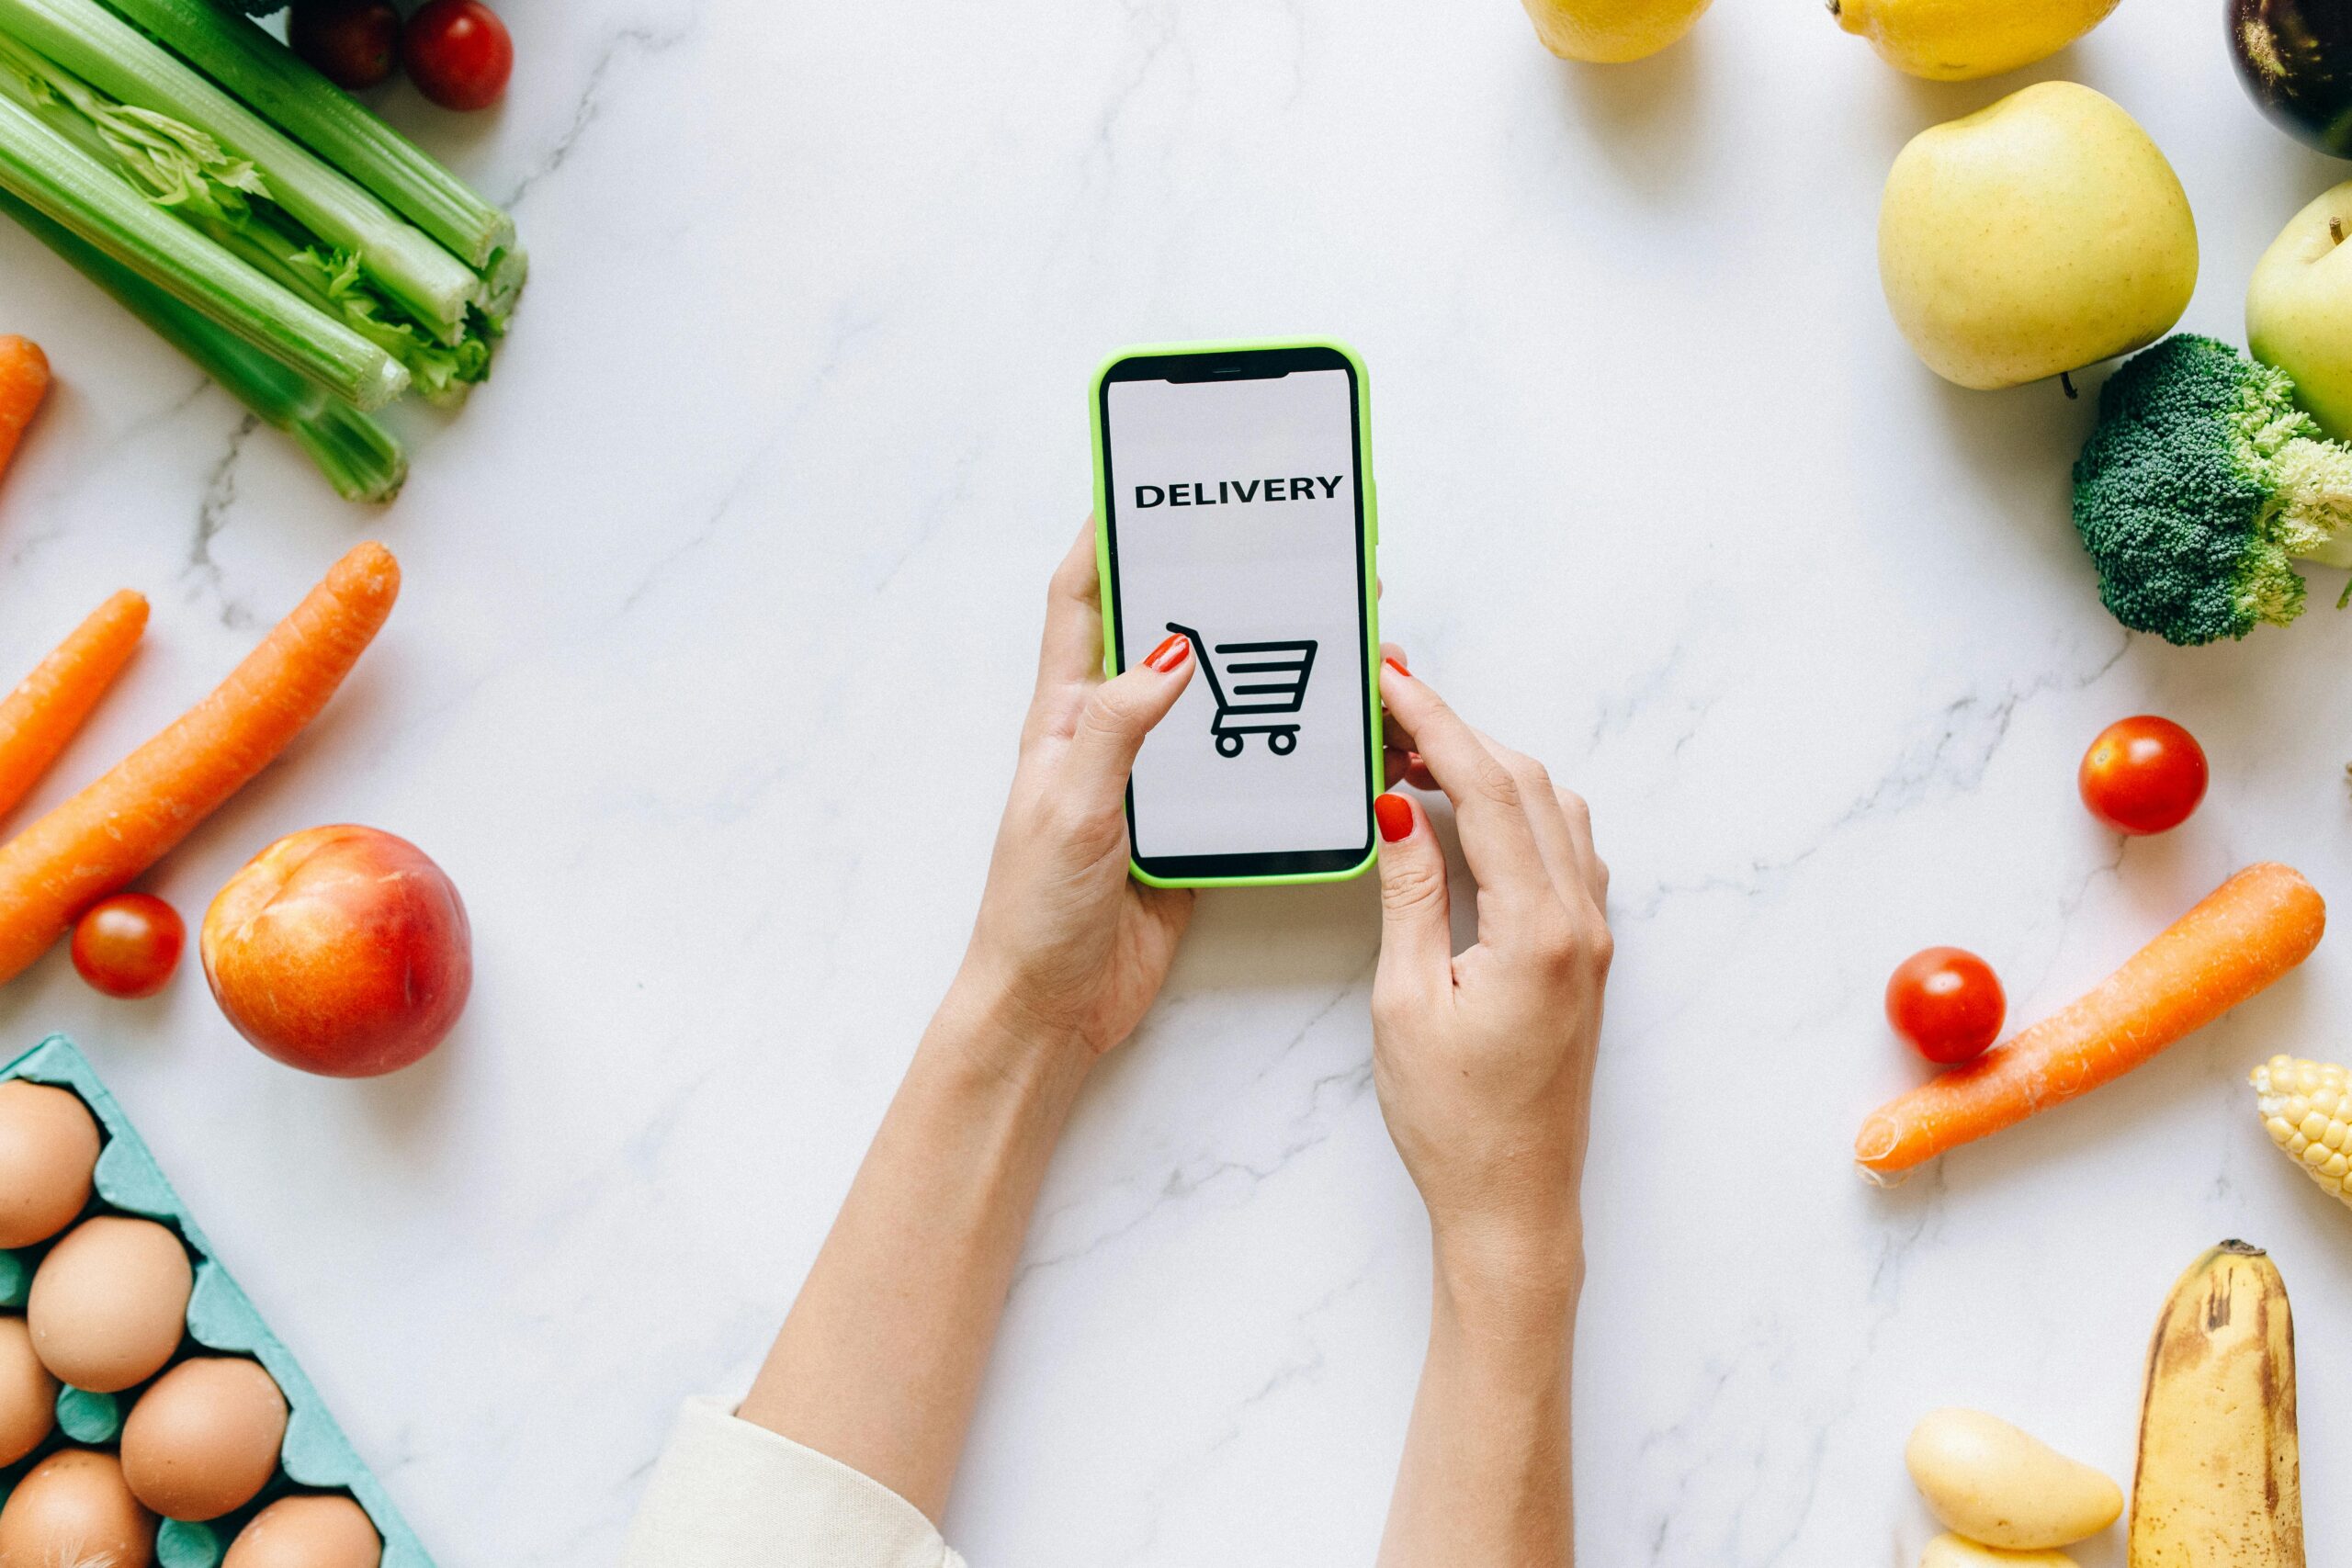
(1396,664)
(1169,654)
(1395,816)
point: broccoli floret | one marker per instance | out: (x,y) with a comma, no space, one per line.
(2201,485)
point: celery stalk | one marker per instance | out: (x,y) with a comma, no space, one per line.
(277,81)
(48,174)
(86,39)
(357,455)
(184,170)
(503,284)
(176,165)
(438,372)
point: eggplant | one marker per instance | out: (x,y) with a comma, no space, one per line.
(2295,57)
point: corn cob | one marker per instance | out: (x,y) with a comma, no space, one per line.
(2305,1106)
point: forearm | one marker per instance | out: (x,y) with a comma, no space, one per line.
(1484,1478)
(880,1360)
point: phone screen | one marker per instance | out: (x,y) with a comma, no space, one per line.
(1234,513)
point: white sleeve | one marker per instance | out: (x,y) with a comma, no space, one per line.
(730,1494)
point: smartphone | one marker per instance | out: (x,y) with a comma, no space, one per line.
(1235,507)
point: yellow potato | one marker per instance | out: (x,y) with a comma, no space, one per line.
(1958,1552)
(1994,1484)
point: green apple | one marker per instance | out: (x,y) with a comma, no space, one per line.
(2299,308)
(2043,233)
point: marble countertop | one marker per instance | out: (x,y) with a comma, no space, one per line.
(720,613)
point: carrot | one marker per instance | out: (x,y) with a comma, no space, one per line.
(40,716)
(103,837)
(24,381)
(2246,933)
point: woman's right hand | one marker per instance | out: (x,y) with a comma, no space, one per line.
(1484,1061)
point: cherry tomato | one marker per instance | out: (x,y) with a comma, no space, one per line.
(354,43)
(458,53)
(128,945)
(1947,1003)
(2143,775)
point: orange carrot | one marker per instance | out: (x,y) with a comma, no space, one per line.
(40,716)
(2247,932)
(24,381)
(96,842)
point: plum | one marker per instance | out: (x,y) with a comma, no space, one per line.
(2295,57)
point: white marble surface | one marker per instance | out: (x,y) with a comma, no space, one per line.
(719,612)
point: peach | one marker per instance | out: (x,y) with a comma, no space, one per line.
(343,950)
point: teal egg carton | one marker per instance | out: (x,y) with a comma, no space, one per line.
(315,1457)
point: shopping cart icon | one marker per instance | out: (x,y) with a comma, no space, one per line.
(1267,678)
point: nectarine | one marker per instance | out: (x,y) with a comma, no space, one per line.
(343,950)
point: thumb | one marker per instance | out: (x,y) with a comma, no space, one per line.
(1416,935)
(1120,713)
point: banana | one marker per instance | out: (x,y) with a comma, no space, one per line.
(2221,1478)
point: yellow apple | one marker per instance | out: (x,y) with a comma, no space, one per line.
(2041,234)
(1611,31)
(2299,308)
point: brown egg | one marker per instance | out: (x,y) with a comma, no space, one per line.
(71,1510)
(109,1302)
(48,1147)
(204,1439)
(27,1393)
(326,1531)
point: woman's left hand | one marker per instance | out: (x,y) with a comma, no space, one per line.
(879,1364)
(1067,946)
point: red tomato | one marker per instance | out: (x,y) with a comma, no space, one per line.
(128,945)
(2144,775)
(458,54)
(1947,1003)
(353,43)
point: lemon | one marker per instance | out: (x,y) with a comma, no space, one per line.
(1611,31)
(1955,40)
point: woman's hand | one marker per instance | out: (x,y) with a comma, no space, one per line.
(1067,948)
(879,1363)
(1484,1062)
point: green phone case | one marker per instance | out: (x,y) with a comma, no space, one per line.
(1371,491)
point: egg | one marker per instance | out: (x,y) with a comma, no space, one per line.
(48,1148)
(27,1393)
(326,1531)
(109,1302)
(71,1510)
(203,1440)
